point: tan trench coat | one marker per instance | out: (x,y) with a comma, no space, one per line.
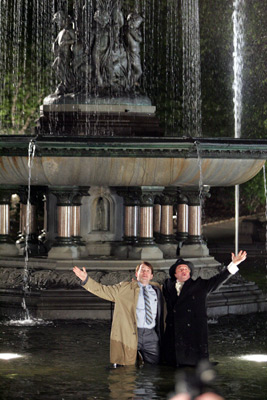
(123,336)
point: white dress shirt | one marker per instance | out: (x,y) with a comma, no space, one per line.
(140,308)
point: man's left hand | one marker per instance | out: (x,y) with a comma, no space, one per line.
(239,258)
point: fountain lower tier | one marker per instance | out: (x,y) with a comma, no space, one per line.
(123,177)
(56,294)
(131,162)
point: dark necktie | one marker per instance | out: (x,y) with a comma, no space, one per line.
(149,318)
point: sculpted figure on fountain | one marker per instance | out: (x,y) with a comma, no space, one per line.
(102,59)
(62,49)
(134,38)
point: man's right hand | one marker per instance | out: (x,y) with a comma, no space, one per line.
(81,273)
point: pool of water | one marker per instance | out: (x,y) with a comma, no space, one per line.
(66,360)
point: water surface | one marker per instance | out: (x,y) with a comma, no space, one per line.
(66,360)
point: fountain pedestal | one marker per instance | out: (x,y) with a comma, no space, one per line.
(166,239)
(68,243)
(194,245)
(146,248)
(66,116)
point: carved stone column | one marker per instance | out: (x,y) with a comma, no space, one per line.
(167,242)
(131,205)
(64,246)
(195,245)
(20,242)
(43,234)
(146,219)
(131,216)
(28,222)
(76,220)
(182,218)
(7,245)
(157,218)
(146,247)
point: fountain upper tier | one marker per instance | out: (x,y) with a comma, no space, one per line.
(129,162)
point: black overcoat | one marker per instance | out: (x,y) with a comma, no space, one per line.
(186,333)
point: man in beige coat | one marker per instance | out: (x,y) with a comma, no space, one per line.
(130,330)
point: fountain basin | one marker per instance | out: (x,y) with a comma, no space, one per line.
(87,161)
(131,162)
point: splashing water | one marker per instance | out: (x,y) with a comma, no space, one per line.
(27,322)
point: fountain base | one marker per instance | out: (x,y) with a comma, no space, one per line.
(80,116)
(55,292)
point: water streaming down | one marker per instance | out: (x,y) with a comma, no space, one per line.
(191,69)
(199,162)
(161,59)
(172,69)
(238,43)
(27,33)
(203,189)
(25,60)
(26,277)
(28,320)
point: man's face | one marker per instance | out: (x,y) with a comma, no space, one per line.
(182,273)
(144,274)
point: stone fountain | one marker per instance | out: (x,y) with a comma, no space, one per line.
(111,182)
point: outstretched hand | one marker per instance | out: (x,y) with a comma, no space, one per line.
(81,273)
(241,256)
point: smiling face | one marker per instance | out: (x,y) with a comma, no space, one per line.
(182,273)
(144,274)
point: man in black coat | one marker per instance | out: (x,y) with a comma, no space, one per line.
(186,334)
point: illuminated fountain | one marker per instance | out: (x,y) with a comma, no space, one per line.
(111,180)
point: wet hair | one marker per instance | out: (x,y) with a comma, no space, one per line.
(145,263)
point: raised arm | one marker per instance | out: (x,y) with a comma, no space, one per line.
(107,292)
(214,282)
(239,258)
(80,273)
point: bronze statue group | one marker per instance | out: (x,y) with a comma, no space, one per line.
(102,59)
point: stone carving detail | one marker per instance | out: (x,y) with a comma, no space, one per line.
(134,39)
(96,275)
(63,52)
(13,278)
(101,59)
(112,278)
(160,276)
(101,216)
